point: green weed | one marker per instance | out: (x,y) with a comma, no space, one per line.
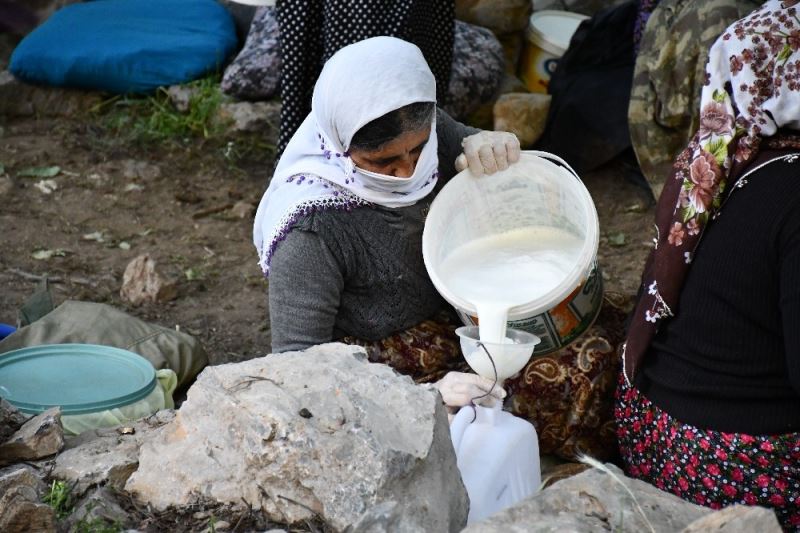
(154,119)
(59,498)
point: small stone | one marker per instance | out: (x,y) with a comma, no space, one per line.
(6,186)
(39,437)
(222,525)
(523,114)
(105,457)
(132,169)
(181,96)
(142,283)
(20,507)
(243,210)
(250,116)
(10,420)
(99,505)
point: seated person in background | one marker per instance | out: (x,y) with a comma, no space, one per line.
(709,406)
(672,50)
(313,30)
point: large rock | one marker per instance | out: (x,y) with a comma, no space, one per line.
(142,283)
(321,433)
(500,16)
(39,437)
(737,519)
(105,457)
(523,114)
(21,510)
(595,501)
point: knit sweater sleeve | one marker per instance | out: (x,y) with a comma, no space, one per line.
(450,133)
(305,286)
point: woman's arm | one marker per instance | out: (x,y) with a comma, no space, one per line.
(460,146)
(450,133)
(305,286)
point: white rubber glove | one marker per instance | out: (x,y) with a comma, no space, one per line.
(459,389)
(488,151)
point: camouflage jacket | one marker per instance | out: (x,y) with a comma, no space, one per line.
(668,77)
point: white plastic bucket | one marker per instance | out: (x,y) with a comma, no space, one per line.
(535,192)
(547,38)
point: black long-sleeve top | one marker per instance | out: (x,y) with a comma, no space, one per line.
(730,358)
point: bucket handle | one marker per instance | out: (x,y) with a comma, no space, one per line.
(553,157)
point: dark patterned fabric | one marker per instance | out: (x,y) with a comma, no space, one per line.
(255,74)
(707,467)
(568,395)
(477,71)
(477,67)
(311,31)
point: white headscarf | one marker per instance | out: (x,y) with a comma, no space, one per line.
(360,83)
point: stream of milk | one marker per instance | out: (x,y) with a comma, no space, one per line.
(498,272)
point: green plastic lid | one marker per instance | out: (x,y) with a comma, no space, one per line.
(81,378)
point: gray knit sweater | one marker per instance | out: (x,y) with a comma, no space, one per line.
(357,273)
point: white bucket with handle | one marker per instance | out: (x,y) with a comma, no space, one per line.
(540,191)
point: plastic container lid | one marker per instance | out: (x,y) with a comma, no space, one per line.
(552,30)
(80,378)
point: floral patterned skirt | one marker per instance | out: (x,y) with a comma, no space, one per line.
(706,467)
(568,395)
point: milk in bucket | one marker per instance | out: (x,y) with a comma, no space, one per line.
(517,248)
(498,272)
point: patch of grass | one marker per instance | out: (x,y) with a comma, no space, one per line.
(154,119)
(152,123)
(59,497)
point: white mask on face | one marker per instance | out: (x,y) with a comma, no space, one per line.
(424,170)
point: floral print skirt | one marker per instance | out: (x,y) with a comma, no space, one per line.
(568,395)
(707,467)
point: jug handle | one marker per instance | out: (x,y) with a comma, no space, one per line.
(552,157)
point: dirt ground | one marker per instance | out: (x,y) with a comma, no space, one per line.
(114,201)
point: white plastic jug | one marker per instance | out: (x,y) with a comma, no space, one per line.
(498,457)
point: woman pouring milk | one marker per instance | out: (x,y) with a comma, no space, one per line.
(339,230)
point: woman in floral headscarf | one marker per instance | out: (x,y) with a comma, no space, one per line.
(709,403)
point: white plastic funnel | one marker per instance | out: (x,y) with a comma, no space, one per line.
(509,358)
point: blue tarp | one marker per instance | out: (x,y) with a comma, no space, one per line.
(127,46)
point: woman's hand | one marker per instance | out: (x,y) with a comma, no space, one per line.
(459,389)
(488,151)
